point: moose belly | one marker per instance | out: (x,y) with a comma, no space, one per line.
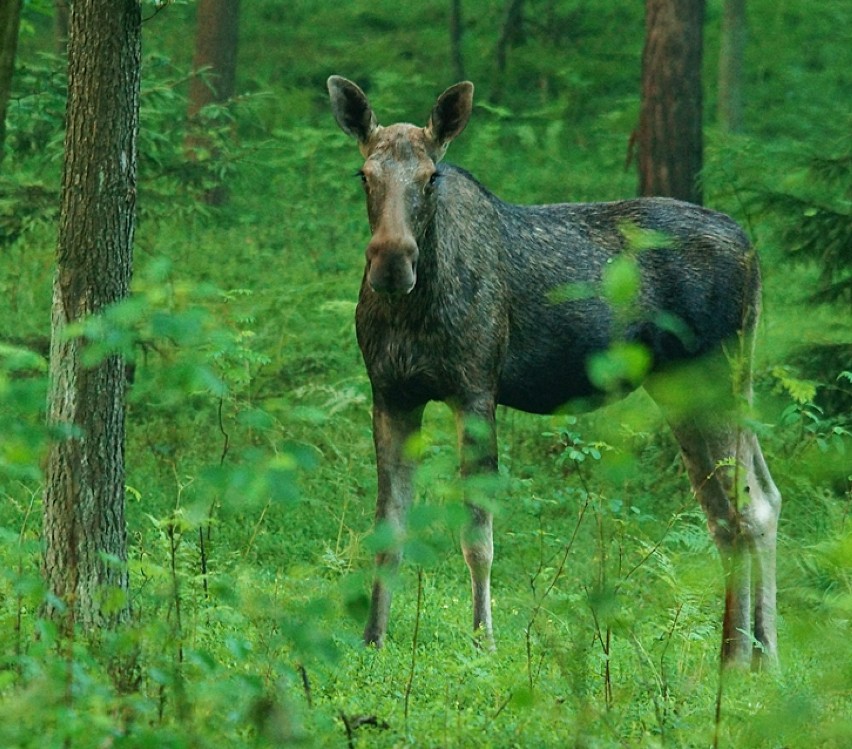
(546,384)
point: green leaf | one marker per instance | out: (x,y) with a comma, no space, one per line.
(621,280)
(622,364)
(640,239)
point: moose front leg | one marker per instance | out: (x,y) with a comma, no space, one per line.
(478,455)
(392,430)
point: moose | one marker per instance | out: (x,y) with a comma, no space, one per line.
(460,302)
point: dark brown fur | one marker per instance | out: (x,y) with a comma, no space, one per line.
(476,302)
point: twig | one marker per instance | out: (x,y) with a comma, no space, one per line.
(203,549)
(606,642)
(672,520)
(717,717)
(559,570)
(503,705)
(414,644)
(306,684)
(256,530)
(350,737)
(19,614)
(351,723)
(226,442)
(202,543)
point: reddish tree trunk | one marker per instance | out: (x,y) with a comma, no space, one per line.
(214,79)
(215,60)
(670,138)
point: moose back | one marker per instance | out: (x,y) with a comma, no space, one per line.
(473,301)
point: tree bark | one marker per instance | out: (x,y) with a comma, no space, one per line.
(85,550)
(214,74)
(215,62)
(60,25)
(670,136)
(511,32)
(731,58)
(10,21)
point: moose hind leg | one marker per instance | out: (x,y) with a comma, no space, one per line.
(710,456)
(391,432)
(761,525)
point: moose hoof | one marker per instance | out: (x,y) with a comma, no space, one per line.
(374,639)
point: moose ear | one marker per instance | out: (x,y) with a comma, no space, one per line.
(351,109)
(449,116)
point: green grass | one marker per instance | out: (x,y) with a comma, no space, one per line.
(249,443)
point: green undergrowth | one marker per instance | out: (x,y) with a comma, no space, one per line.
(251,483)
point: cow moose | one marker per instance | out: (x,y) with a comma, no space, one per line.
(457,304)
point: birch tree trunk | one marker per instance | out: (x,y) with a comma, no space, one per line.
(85,545)
(670,120)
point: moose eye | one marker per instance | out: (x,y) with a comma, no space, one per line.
(433,180)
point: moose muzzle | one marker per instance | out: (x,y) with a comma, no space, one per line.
(392,265)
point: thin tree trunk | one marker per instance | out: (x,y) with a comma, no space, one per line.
(731,57)
(456,26)
(215,60)
(214,78)
(10,21)
(85,552)
(511,32)
(60,25)
(670,135)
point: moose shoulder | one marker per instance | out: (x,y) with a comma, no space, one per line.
(472,301)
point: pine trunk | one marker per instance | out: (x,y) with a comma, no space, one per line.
(670,136)
(214,77)
(85,554)
(512,32)
(731,56)
(60,25)
(10,21)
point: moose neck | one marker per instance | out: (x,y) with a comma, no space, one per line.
(464,235)
(460,251)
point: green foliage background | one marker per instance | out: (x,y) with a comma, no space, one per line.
(251,480)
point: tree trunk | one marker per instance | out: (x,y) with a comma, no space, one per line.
(214,79)
(670,138)
(456,55)
(10,21)
(85,552)
(731,56)
(60,25)
(512,32)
